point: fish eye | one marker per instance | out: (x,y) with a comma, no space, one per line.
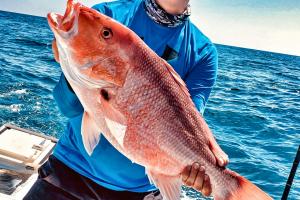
(106,33)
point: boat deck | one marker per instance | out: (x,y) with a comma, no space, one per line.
(22,152)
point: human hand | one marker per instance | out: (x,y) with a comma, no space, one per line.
(194,176)
(55,50)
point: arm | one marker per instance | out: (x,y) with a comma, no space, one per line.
(120,10)
(64,95)
(66,99)
(200,81)
(202,77)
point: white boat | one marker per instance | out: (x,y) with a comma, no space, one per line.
(22,152)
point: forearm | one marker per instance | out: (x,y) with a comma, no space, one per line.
(66,99)
(202,77)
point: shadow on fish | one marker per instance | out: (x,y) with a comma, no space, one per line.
(138,102)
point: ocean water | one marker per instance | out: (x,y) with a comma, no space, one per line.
(254,110)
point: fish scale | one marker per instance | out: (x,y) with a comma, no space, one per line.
(139,103)
(162,101)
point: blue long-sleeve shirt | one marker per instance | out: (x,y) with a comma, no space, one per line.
(189,52)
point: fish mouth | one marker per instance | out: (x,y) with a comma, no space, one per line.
(66,23)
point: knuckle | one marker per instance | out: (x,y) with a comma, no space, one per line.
(198,188)
(193,170)
(187,168)
(185,173)
(195,167)
(206,177)
(207,181)
(184,178)
(206,187)
(189,183)
(200,177)
(202,171)
(199,180)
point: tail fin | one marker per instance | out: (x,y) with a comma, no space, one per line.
(245,190)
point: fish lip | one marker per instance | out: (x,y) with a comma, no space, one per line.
(54,20)
(66,22)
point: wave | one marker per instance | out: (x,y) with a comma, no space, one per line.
(14,92)
(30,42)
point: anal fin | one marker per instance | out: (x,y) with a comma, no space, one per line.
(90,133)
(169,186)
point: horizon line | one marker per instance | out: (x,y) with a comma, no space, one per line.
(229,45)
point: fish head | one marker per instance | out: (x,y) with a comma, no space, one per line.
(93,48)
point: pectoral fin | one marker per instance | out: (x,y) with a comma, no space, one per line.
(118,130)
(111,112)
(90,133)
(115,120)
(169,186)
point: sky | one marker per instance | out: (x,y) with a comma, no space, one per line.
(271,25)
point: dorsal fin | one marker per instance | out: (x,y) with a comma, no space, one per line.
(177,78)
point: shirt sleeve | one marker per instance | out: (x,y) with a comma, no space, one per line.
(119,10)
(202,77)
(66,100)
(103,8)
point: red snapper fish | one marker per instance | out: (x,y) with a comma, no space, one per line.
(139,104)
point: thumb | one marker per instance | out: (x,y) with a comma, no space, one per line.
(221,157)
(55,50)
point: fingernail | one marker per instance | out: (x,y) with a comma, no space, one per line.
(202,169)
(221,162)
(196,166)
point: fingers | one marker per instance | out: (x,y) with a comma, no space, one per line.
(198,184)
(189,174)
(221,157)
(55,51)
(185,174)
(206,190)
(194,176)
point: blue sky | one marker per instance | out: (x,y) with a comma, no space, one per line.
(272,25)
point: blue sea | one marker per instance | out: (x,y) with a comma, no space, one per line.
(254,109)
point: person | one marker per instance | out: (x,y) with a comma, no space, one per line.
(70,173)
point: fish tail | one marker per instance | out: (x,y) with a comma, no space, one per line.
(244,189)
